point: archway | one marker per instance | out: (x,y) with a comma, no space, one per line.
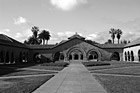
(62,56)
(139,55)
(2,57)
(12,57)
(70,57)
(20,57)
(37,57)
(76,57)
(93,56)
(128,56)
(7,57)
(76,54)
(125,56)
(90,57)
(56,56)
(132,56)
(115,56)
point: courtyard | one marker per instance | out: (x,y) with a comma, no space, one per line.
(92,77)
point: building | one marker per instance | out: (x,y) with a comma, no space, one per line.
(132,51)
(75,48)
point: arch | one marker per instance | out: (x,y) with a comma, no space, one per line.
(76,57)
(24,57)
(128,53)
(2,57)
(27,57)
(115,56)
(139,54)
(37,57)
(81,56)
(76,53)
(90,57)
(132,56)
(12,57)
(70,57)
(62,56)
(125,54)
(94,55)
(7,57)
(56,56)
(20,57)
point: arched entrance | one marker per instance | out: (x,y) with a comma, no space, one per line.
(92,56)
(75,55)
(115,56)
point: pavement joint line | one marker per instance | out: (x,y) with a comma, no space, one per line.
(61,82)
(115,75)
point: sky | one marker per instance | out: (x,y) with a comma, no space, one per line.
(92,19)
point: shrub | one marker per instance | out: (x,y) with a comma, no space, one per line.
(59,64)
(88,64)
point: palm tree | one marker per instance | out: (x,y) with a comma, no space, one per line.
(119,33)
(35,30)
(112,32)
(44,35)
(33,41)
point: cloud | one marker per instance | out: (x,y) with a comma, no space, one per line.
(20,20)
(91,37)
(65,34)
(67,4)
(5,31)
(24,35)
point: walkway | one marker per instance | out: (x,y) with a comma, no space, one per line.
(73,79)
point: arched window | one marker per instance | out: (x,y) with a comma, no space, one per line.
(125,56)
(132,56)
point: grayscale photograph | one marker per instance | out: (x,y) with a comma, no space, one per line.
(69,46)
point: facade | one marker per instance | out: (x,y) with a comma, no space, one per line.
(132,51)
(73,49)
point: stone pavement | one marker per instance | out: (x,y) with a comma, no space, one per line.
(73,79)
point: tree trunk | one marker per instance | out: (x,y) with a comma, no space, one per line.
(118,41)
(46,42)
(113,41)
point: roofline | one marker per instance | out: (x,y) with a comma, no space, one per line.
(131,45)
(72,39)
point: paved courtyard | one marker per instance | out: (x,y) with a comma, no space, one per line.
(73,79)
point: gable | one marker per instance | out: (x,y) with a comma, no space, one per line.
(75,42)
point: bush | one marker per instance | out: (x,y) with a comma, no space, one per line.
(59,64)
(88,64)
